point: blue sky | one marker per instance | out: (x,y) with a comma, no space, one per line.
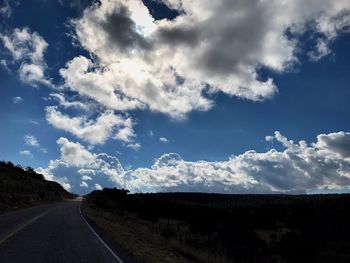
(178,96)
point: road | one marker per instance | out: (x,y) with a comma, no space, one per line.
(51,233)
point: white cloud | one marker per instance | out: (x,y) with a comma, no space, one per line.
(86,177)
(75,154)
(98,187)
(322,50)
(126,133)
(134,146)
(43,150)
(126,86)
(65,185)
(26,153)
(51,169)
(31,140)
(93,131)
(27,49)
(84,184)
(269,138)
(17,100)
(330,27)
(163,139)
(96,84)
(298,168)
(3,64)
(33,74)
(23,44)
(69,104)
(335,143)
(167,66)
(6,10)
(82,165)
(79,4)
(34,122)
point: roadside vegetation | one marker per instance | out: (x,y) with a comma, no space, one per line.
(197,227)
(22,187)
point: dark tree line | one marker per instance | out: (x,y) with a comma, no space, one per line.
(18,169)
(243,228)
(22,186)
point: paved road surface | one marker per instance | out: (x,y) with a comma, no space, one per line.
(50,233)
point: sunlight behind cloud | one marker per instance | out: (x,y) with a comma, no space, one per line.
(118,78)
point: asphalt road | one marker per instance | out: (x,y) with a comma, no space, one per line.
(51,233)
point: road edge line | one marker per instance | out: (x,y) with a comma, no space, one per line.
(99,238)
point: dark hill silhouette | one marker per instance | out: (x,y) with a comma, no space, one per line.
(21,187)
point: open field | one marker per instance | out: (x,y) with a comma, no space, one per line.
(190,227)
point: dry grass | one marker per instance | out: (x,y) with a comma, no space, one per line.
(143,243)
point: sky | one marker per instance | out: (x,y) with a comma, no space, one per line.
(227,96)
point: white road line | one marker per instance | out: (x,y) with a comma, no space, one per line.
(100,239)
(24,225)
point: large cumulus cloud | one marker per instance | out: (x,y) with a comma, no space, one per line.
(80,166)
(299,168)
(169,65)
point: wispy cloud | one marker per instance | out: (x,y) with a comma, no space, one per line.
(27,54)
(86,178)
(163,139)
(34,122)
(17,100)
(69,104)
(135,146)
(5,9)
(84,184)
(43,150)
(94,131)
(26,153)
(31,140)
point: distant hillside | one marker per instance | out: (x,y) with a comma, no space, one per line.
(20,187)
